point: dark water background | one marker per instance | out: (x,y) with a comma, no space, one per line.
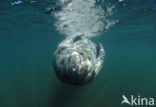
(28,40)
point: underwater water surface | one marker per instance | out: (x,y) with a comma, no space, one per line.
(29,36)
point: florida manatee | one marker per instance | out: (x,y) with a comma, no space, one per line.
(77,60)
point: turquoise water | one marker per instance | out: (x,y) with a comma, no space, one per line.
(28,40)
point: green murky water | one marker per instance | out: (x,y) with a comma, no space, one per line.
(28,40)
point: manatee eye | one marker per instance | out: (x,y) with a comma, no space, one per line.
(85,55)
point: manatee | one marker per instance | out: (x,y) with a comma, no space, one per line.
(77,60)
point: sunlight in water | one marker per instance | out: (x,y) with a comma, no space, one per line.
(82,17)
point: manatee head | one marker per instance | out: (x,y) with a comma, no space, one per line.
(73,64)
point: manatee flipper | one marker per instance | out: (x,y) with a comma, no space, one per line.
(100,58)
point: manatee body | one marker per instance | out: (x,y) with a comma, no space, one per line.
(78,60)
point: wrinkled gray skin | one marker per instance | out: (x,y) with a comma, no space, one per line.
(78,60)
